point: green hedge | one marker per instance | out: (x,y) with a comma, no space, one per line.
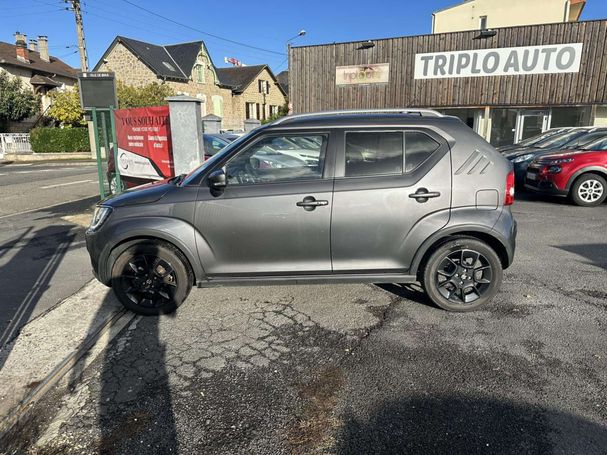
(60,140)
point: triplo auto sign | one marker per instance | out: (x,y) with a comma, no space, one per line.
(505,61)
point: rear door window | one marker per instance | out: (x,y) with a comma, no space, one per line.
(374,153)
(386,153)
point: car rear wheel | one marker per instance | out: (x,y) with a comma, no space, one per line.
(589,190)
(462,275)
(151,278)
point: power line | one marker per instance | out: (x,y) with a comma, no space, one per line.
(36,13)
(201,31)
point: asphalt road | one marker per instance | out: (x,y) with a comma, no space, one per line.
(43,257)
(26,187)
(359,368)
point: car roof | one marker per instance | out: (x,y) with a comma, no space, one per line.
(363,118)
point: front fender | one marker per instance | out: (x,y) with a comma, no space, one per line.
(128,231)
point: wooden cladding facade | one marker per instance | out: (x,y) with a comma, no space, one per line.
(312,72)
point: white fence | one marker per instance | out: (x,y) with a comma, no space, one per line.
(14,143)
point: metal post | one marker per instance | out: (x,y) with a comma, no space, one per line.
(115,145)
(98,151)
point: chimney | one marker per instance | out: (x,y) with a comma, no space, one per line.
(33,45)
(43,48)
(21,45)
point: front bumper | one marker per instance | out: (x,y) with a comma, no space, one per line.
(544,187)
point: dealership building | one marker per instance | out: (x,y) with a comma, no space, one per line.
(506,83)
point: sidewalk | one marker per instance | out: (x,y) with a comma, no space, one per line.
(50,345)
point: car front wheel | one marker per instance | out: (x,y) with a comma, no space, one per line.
(462,275)
(589,190)
(151,278)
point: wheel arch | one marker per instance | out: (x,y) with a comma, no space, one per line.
(586,170)
(487,236)
(111,252)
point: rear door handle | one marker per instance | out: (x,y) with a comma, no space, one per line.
(310,203)
(422,195)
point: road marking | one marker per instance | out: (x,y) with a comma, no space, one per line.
(65,184)
(24,212)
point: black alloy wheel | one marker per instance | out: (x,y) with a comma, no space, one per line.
(151,278)
(462,274)
(149,281)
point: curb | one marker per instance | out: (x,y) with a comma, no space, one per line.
(120,319)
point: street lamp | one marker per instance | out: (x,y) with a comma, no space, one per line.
(301,33)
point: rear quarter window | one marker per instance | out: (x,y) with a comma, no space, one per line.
(418,148)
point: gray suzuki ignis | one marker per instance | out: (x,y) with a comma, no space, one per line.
(380,196)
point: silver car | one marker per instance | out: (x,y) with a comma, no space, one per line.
(391,196)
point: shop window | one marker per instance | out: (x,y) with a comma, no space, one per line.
(570,116)
(503,126)
(418,148)
(377,153)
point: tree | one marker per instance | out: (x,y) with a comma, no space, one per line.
(16,102)
(282,111)
(153,94)
(65,108)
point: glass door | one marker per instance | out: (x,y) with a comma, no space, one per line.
(531,123)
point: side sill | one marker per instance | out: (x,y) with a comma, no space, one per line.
(306,279)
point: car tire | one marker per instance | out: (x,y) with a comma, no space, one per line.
(151,278)
(589,190)
(113,181)
(462,275)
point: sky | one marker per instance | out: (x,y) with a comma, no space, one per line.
(257,24)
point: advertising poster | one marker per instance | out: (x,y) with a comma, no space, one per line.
(144,142)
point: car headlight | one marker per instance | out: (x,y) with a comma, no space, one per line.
(101,214)
(561,161)
(525,157)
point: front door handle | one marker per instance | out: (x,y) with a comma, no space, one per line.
(422,195)
(309,203)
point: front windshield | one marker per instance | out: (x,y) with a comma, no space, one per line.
(588,139)
(191,177)
(559,140)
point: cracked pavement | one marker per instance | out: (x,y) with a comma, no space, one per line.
(358,368)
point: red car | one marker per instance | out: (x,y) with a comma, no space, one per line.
(579,174)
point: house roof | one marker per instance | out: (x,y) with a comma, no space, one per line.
(283,80)
(238,78)
(43,80)
(8,56)
(173,61)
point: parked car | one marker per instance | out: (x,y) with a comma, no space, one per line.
(569,139)
(580,175)
(538,138)
(212,144)
(428,203)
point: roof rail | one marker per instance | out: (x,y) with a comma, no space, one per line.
(420,112)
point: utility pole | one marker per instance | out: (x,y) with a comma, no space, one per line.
(84,61)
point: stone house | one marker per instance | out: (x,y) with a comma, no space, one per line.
(234,94)
(37,70)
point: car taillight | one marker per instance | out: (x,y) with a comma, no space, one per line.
(509,200)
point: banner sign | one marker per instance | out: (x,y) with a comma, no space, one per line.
(377,73)
(505,61)
(144,142)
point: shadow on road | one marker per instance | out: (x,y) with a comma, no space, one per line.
(26,276)
(134,397)
(467,425)
(594,253)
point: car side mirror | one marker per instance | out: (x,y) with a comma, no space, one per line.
(217,180)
